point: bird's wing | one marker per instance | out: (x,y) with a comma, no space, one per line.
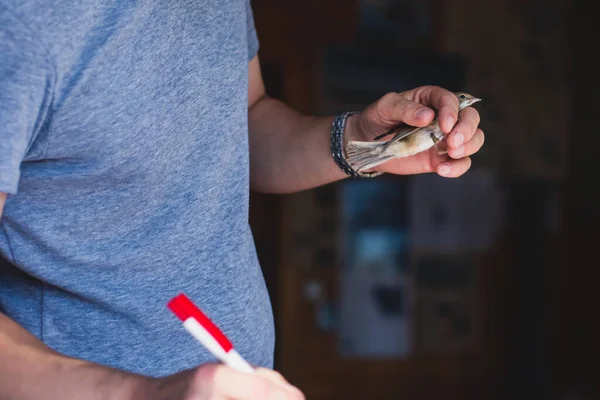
(400,132)
(404,132)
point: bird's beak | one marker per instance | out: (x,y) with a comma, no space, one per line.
(475,100)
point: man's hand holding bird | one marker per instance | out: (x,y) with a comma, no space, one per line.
(444,116)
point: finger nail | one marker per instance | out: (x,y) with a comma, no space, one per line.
(422,113)
(450,121)
(444,169)
(458,151)
(459,139)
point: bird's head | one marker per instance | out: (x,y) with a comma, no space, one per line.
(466,100)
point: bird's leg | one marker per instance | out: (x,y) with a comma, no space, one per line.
(436,141)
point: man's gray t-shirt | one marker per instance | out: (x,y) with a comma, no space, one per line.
(124,150)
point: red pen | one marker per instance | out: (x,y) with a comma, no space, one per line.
(207,333)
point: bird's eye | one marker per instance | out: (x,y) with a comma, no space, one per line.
(462,96)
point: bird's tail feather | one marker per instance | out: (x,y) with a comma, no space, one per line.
(366,155)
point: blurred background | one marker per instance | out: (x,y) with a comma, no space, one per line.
(421,287)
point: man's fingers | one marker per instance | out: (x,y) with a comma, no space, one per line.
(394,109)
(277,378)
(272,375)
(232,384)
(465,129)
(442,100)
(469,148)
(454,168)
(250,386)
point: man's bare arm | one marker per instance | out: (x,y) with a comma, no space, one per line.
(290,151)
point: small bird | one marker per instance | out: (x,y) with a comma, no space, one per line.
(407,141)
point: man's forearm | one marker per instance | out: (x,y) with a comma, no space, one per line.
(30,370)
(289,152)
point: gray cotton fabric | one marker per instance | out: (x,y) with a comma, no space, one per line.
(124,151)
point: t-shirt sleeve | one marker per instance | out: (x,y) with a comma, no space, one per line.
(26,78)
(253,43)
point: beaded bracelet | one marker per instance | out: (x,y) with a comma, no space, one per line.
(337,145)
